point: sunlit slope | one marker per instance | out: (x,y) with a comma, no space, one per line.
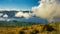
(52,28)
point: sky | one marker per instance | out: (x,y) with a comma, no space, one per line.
(18,4)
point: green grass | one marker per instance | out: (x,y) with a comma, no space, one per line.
(15,24)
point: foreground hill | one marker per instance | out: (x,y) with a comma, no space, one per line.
(31,28)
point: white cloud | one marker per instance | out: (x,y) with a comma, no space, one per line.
(20,14)
(5,15)
(1,14)
(47,9)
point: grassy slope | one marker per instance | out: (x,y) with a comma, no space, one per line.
(15,24)
(28,28)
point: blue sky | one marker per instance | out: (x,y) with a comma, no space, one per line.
(20,4)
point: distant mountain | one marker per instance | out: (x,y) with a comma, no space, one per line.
(12,13)
(7,16)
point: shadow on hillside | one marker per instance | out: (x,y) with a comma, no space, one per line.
(48,28)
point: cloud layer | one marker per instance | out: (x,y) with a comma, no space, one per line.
(47,9)
(20,14)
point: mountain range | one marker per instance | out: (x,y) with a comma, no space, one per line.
(12,13)
(12,17)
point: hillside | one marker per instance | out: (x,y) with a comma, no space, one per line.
(30,28)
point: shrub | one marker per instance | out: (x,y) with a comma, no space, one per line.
(21,32)
(48,28)
(35,32)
